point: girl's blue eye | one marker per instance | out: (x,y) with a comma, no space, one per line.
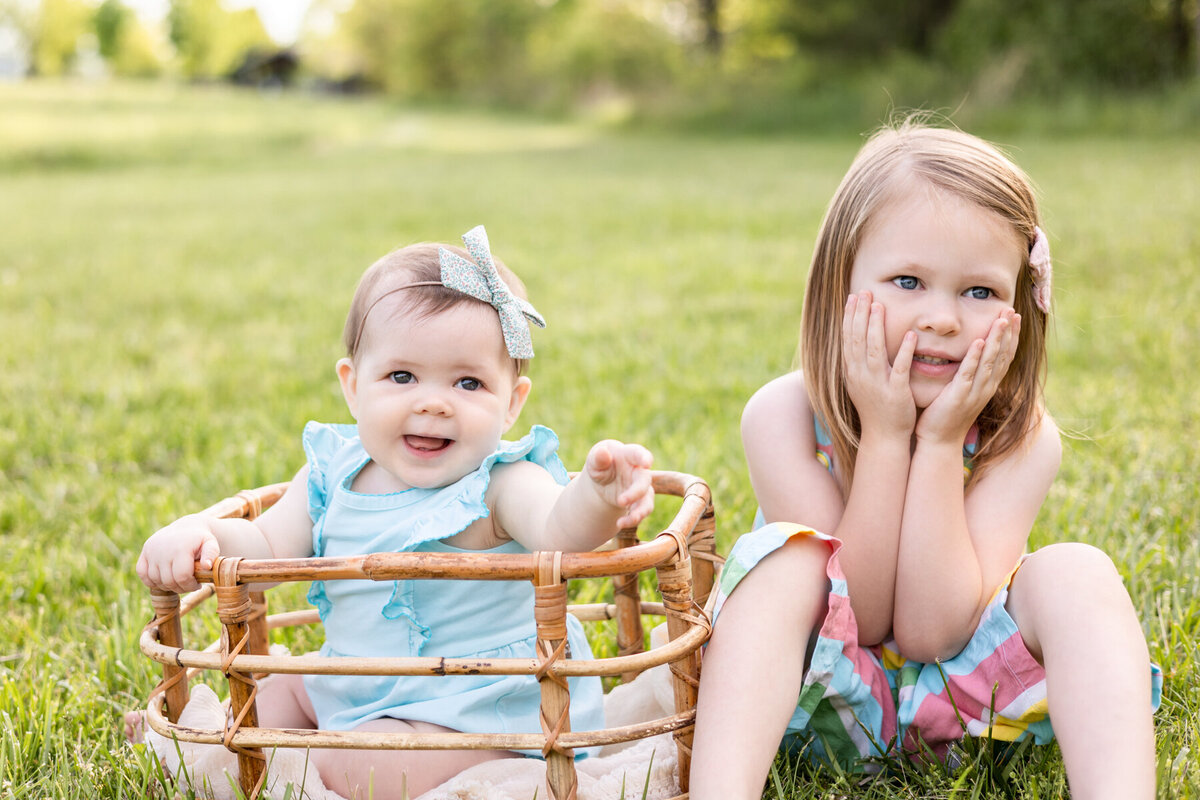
(401,376)
(906,282)
(979,293)
(469,384)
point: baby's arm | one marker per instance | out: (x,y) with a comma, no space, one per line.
(613,491)
(169,557)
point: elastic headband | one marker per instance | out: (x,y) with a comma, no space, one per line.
(478,278)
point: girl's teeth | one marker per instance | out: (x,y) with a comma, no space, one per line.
(932,360)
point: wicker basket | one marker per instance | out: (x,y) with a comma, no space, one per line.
(683,556)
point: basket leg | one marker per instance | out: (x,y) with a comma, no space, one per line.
(631,636)
(170,633)
(675,585)
(259,643)
(550,611)
(702,544)
(234,608)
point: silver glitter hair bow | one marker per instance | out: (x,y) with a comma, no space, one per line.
(1039,269)
(479,279)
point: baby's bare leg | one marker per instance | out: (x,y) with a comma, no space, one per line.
(379,774)
(1076,618)
(135,726)
(283,703)
(382,774)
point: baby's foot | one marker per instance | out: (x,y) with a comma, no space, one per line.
(135,727)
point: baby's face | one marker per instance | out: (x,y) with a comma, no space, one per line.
(432,395)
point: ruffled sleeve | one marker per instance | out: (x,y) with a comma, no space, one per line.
(322,442)
(540,447)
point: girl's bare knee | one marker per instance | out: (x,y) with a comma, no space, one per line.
(1069,581)
(799,565)
(788,588)
(802,557)
(1073,563)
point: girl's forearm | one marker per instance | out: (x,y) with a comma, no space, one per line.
(938,578)
(870,532)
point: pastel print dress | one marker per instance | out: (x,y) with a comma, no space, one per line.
(861,702)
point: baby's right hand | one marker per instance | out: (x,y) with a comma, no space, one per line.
(878,387)
(168,559)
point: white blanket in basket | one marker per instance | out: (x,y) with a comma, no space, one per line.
(620,771)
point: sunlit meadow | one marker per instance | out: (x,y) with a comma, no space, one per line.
(175,265)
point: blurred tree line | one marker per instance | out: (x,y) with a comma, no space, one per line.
(556,53)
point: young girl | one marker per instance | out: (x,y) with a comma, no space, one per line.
(916,440)
(437,339)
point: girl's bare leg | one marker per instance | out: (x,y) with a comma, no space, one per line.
(1076,618)
(361,774)
(753,669)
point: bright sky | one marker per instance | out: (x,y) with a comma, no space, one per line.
(281,18)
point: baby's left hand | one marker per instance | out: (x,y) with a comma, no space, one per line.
(621,474)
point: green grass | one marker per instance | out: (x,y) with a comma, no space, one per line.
(175,266)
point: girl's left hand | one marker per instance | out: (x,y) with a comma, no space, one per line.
(951,414)
(621,474)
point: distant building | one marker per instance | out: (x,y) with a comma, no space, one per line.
(265,69)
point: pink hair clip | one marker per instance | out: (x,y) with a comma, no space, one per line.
(1039,269)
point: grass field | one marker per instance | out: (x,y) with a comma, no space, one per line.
(174,271)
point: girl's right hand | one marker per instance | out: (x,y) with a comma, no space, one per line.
(168,559)
(879,389)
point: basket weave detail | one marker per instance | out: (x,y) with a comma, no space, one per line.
(683,557)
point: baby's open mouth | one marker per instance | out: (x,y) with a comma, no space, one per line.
(427,444)
(931,360)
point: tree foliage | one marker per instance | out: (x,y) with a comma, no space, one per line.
(443,47)
(1118,43)
(124,42)
(56,32)
(1100,42)
(510,50)
(533,51)
(211,41)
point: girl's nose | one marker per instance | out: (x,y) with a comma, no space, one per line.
(940,316)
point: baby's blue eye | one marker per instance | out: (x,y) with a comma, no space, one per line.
(979,292)
(469,384)
(906,282)
(401,376)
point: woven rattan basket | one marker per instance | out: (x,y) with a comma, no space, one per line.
(682,555)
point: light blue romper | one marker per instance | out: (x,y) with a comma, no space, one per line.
(451,618)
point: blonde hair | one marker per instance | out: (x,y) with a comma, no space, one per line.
(416,264)
(966,167)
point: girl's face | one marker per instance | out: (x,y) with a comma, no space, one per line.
(942,267)
(432,395)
